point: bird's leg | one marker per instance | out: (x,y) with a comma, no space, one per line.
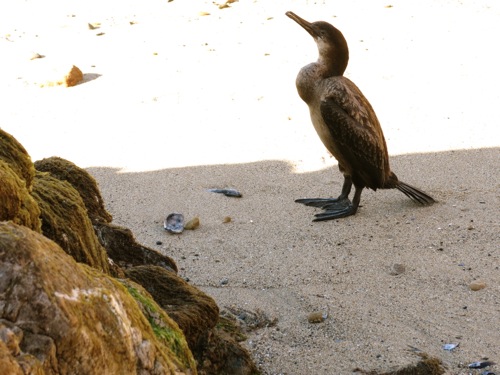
(326,203)
(337,213)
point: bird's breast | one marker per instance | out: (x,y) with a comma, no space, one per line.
(325,134)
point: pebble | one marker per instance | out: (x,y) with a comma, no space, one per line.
(192,224)
(397,269)
(317,317)
(477,285)
(224,281)
(36,55)
(226,220)
(227,192)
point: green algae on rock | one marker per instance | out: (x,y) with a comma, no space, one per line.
(84,321)
(65,221)
(164,327)
(194,311)
(82,181)
(16,203)
(14,154)
(215,350)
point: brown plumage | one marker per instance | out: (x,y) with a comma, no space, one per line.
(346,124)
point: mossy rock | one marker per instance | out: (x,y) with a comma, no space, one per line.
(16,203)
(225,356)
(66,222)
(164,327)
(77,320)
(194,311)
(426,365)
(197,314)
(82,181)
(14,154)
(124,250)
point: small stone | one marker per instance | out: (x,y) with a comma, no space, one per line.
(317,317)
(73,77)
(397,269)
(192,224)
(159,243)
(226,220)
(224,281)
(36,55)
(477,285)
(227,192)
(70,78)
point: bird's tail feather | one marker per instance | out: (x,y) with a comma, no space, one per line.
(415,194)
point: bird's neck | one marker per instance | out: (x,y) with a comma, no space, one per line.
(310,76)
(331,66)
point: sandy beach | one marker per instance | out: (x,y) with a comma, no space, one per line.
(181,97)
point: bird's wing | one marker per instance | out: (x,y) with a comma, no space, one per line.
(357,134)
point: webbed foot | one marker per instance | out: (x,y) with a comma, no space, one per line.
(335,208)
(325,203)
(336,213)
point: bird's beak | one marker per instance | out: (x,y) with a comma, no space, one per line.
(308,26)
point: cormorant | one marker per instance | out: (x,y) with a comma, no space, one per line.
(346,124)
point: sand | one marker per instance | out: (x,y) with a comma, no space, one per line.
(180,97)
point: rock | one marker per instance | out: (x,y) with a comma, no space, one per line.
(223,355)
(75,319)
(397,269)
(192,224)
(82,181)
(65,77)
(16,176)
(317,317)
(65,221)
(215,350)
(249,320)
(426,365)
(17,204)
(15,155)
(477,285)
(36,55)
(59,316)
(194,311)
(123,249)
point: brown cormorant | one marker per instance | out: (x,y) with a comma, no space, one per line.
(346,124)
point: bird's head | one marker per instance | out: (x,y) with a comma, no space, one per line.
(332,46)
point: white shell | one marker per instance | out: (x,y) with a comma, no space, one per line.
(174,223)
